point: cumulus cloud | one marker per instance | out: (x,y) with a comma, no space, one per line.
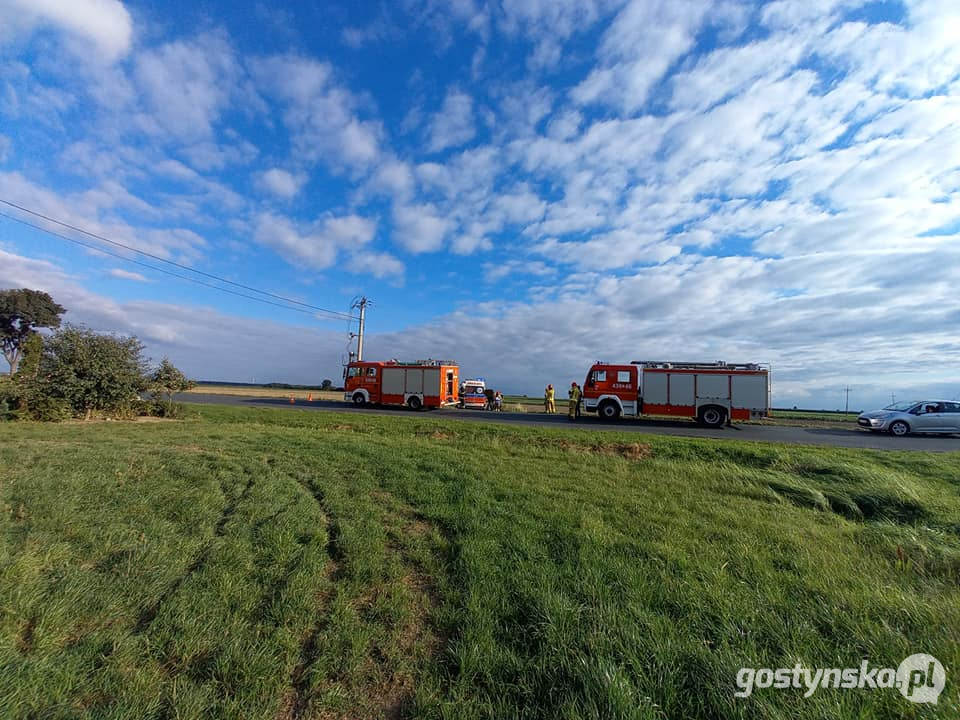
(419,228)
(280,182)
(105,25)
(453,124)
(322,115)
(187,84)
(642,42)
(314,245)
(122,274)
(92,209)
(375,264)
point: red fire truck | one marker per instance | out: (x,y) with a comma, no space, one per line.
(425,383)
(712,393)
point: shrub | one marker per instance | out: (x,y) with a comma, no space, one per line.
(9,399)
(78,373)
(165,382)
(92,372)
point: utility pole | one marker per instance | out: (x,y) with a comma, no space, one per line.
(361,304)
(846,405)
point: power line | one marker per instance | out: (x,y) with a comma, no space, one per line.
(152,267)
(158,258)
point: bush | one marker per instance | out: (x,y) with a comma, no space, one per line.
(93,373)
(9,399)
(79,373)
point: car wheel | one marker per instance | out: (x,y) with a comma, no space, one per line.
(609,410)
(712,416)
(414,403)
(899,428)
(359,400)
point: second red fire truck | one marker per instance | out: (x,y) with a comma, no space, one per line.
(711,393)
(421,384)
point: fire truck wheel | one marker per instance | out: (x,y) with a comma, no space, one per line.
(359,400)
(712,416)
(609,410)
(414,403)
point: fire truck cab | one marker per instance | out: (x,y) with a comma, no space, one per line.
(712,393)
(425,383)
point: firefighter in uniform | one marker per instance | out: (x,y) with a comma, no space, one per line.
(574,410)
(549,404)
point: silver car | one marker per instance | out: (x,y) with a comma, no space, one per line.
(903,418)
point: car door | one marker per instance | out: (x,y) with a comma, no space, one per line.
(952,416)
(928,418)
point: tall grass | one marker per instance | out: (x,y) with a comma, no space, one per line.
(261,563)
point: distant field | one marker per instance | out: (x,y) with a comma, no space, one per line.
(822,415)
(269,392)
(264,563)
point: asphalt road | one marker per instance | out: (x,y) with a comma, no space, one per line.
(836,437)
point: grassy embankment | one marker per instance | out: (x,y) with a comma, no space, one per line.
(255,563)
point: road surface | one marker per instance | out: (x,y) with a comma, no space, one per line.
(835,437)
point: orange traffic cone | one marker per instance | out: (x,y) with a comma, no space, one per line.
(292,400)
(310,397)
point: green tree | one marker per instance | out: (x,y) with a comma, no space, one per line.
(93,372)
(167,380)
(21,312)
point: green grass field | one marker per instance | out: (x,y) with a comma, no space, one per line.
(259,563)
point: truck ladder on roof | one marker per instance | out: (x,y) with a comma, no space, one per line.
(719,365)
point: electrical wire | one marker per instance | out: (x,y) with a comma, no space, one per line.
(157,269)
(159,259)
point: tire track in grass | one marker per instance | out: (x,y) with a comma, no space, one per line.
(406,529)
(149,614)
(297,700)
(384,688)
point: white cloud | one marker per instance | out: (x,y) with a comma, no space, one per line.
(614,249)
(375,264)
(395,178)
(281,183)
(496,271)
(321,114)
(419,228)
(91,210)
(122,274)
(453,125)
(469,243)
(316,245)
(187,85)
(206,155)
(5,145)
(104,24)
(642,42)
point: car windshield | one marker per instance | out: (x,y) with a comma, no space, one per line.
(901,406)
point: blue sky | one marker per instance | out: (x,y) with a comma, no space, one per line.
(524,185)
